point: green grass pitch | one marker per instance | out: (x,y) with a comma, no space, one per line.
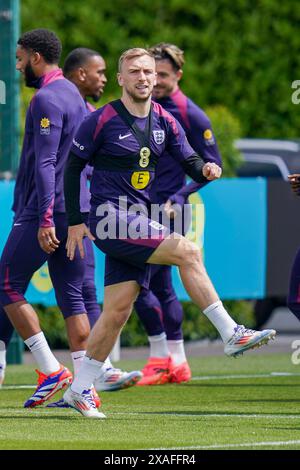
(244,403)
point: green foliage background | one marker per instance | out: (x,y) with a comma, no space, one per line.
(242,54)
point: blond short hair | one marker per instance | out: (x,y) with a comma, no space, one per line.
(131,53)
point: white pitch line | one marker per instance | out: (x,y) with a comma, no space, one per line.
(228,446)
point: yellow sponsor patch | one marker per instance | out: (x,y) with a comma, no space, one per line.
(207,134)
(45,123)
(140,179)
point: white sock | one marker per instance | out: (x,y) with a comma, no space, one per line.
(158,345)
(90,369)
(219,317)
(42,353)
(77,357)
(2,359)
(176,348)
(107,364)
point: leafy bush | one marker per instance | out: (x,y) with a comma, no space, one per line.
(243,54)
(53,326)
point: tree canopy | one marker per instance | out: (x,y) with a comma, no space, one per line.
(243,54)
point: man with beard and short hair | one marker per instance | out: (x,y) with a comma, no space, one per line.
(121,139)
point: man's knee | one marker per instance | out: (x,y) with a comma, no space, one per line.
(118,316)
(78,329)
(189,254)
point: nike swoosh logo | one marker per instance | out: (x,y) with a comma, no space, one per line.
(16,225)
(33,344)
(121,137)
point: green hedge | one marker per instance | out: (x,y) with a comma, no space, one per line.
(243,54)
(195,325)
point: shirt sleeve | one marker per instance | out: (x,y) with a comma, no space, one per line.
(180,197)
(87,138)
(203,141)
(47,125)
(74,167)
(179,148)
(202,138)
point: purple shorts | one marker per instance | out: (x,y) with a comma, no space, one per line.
(128,242)
(22,256)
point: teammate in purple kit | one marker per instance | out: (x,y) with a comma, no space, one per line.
(86,69)
(121,141)
(158,308)
(40,225)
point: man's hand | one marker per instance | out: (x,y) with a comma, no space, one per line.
(211,171)
(47,239)
(169,209)
(75,236)
(295,183)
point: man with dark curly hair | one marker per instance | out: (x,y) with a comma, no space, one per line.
(40,226)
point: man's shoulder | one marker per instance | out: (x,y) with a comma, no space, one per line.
(160,111)
(105,113)
(195,113)
(195,110)
(60,94)
(59,88)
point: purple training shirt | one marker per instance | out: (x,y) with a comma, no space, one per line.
(170,180)
(53,116)
(104,135)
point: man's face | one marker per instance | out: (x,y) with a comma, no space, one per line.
(95,79)
(138,77)
(167,79)
(23,65)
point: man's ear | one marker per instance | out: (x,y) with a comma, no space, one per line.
(81,74)
(120,79)
(179,74)
(36,58)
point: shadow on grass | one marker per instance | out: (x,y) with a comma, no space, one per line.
(43,417)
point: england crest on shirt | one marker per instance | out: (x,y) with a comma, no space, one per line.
(159,136)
